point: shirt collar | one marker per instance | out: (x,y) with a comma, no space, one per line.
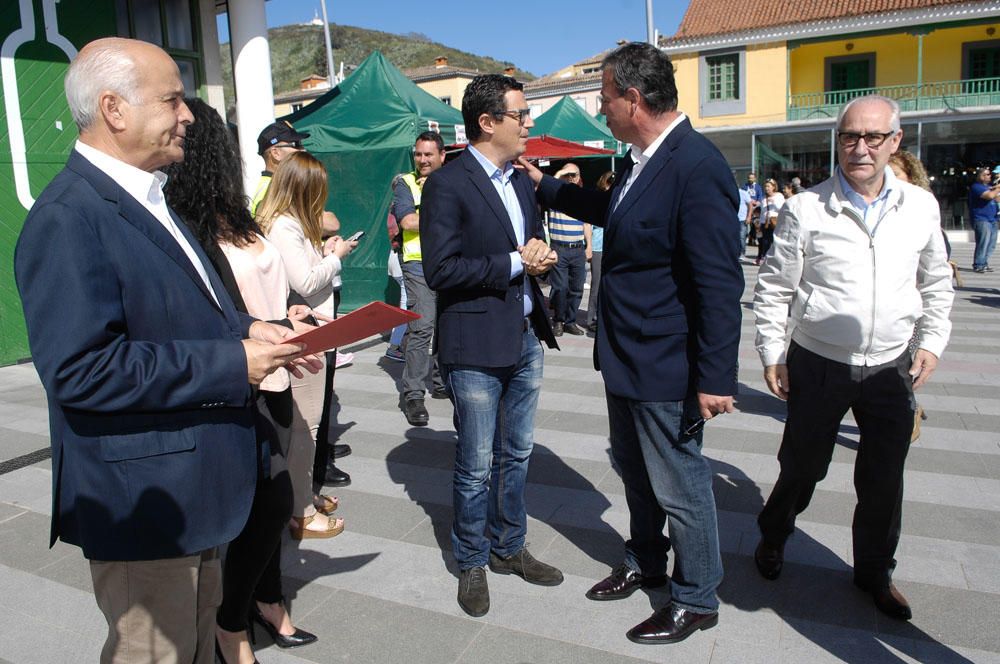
(492,172)
(642,156)
(889,184)
(143,186)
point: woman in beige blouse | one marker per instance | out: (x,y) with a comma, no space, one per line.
(291,217)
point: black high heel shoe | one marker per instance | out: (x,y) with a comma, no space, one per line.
(299,638)
(219,657)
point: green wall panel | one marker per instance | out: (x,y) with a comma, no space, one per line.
(45,124)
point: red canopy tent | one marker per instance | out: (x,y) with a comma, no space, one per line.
(549,147)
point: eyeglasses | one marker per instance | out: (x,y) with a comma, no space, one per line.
(295,145)
(519,114)
(570,175)
(847,139)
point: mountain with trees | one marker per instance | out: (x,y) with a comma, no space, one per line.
(299,50)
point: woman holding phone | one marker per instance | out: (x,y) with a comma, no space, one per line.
(291,216)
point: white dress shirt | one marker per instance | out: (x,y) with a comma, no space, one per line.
(641,157)
(147,189)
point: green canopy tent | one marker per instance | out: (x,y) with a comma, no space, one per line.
(566,120)
(363,131)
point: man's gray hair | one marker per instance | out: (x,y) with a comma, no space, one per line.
(888,101)
(106,66)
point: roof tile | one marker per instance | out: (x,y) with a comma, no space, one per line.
(717,17)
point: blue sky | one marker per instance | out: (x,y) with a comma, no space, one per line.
(539,36)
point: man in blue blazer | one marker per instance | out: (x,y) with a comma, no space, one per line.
(482,243)
(668,333)
(146,363)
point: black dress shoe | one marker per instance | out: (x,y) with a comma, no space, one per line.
(440,393)
(299,638)
(622,582)
(888,600)
(341,450)
(769,559)
(573,328)
(416,412)
(473,591)
(670,625)
(557,328)
(335,476)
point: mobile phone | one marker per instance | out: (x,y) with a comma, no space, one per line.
(357,236)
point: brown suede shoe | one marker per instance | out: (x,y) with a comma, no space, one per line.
(525,566)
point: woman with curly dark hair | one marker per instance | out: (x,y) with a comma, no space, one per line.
(206,191)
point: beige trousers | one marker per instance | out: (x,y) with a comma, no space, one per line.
(159,611)
(307,408)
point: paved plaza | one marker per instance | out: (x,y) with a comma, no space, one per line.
(384,591)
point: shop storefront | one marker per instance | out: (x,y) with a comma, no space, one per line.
(950,147)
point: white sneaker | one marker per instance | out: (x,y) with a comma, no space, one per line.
(343,359)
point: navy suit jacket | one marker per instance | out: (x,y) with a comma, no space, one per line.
(669,304)
(466,237)
(153,445)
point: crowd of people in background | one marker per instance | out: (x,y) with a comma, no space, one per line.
(180,398)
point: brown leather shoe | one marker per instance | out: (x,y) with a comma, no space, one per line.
(621,583)
(670,625)
(769,558)
(889,600)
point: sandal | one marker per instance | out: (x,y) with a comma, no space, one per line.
(300,528)
(326,504)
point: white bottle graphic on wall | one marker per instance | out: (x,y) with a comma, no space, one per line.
(28,32)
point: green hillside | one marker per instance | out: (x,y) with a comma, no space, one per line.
(298,50)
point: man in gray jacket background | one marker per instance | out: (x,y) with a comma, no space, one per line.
(861,261)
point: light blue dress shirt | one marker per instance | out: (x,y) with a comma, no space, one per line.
(500,179)
(871,213)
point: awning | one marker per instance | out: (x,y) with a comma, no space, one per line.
(549,147)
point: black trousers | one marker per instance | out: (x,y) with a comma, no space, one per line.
(252,568)
(323,450)
(881,399)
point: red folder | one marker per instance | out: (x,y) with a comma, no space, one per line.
(370,319)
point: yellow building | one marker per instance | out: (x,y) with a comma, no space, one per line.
(764,82)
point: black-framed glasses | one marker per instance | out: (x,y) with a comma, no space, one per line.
(519,114)
(848,139)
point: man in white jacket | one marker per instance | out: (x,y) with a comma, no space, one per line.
(860,262)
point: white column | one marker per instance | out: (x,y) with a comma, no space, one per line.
(215,96)
(252,78)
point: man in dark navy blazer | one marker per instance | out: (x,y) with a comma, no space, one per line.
(668,333)
(146,363)
(482,243)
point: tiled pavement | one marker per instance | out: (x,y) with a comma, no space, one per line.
(384,591)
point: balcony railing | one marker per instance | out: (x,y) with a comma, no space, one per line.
(925,97)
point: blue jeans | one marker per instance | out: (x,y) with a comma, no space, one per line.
(744,230)
(986,241)
(495,421)
(668,482)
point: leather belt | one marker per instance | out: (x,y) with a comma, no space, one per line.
(569,245)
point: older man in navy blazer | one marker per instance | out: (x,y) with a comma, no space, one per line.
(668,333)
(481,237)
(146,363)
